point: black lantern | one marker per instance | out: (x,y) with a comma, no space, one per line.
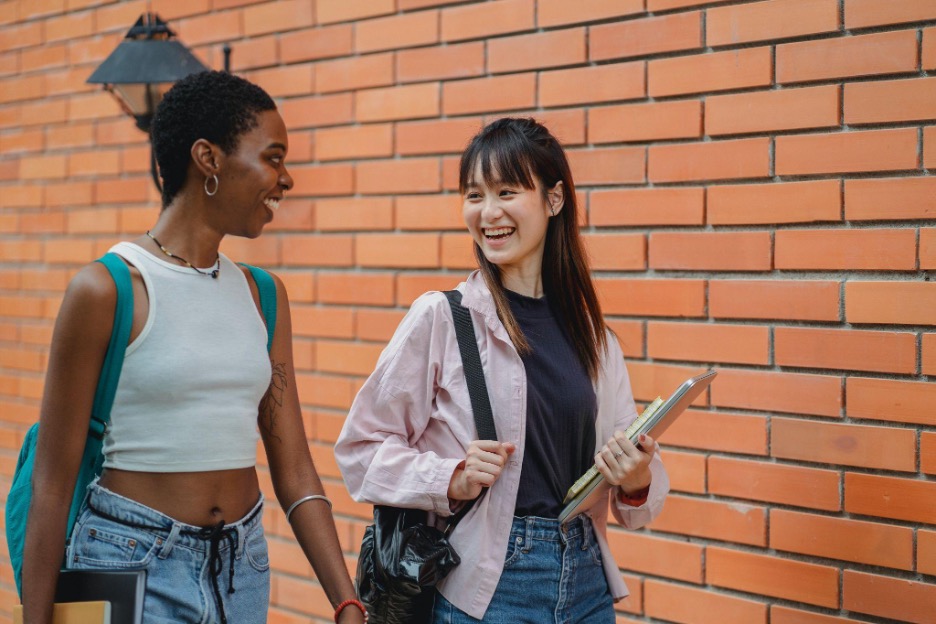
(143,67)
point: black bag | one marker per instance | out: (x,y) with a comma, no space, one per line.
(403,558)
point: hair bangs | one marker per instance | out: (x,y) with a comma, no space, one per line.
(505,158)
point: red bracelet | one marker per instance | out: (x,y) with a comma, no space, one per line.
(636,499)
(350,601)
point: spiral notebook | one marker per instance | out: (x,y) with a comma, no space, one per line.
(96,597)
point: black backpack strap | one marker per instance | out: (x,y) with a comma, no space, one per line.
(471,361)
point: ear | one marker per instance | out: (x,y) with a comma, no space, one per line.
(206,156)
(556,198)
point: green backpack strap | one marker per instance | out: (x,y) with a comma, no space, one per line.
(267,288)
(120,337)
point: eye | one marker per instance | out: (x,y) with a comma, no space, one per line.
(506,192)
(473,195)
(277,160)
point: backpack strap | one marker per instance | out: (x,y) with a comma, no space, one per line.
(267,289)
(116,348)
(471,362)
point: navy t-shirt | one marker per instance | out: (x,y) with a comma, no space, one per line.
(561,411)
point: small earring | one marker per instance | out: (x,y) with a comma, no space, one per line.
(552,211)
(216,185)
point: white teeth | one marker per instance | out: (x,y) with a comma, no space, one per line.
(272,204)
(494,232)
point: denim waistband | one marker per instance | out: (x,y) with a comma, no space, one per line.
(550,529)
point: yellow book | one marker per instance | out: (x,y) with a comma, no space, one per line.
(96,612)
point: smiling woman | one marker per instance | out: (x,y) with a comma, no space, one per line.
(179,493)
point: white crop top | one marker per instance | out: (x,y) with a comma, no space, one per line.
(192,380)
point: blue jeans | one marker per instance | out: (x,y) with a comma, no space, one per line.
(190,570)
(552,575)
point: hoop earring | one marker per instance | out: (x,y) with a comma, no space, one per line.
(216,185)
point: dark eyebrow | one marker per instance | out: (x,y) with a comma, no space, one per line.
(275,145)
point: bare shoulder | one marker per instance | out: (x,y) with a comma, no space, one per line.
(92,286)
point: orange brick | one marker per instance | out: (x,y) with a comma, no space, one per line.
(645,122)
(44,222)
(704,342)
(69,26)
(306,45)
(317,180)
(890,400)
(429,212)
(608,166)
(929,48)
(819,395)
(652,297)
(890,198)
(687,471)
(568,126)
(130,190)
(767,111)
(458,252)
(436,136)
(316,250)
(417,251)
(559,12)
(708,519)
(890,302)
(317,111)
(488,95)
(884,448)
(375,324)
(329,11)
(682,603)
(847,57)
(73,194)
(778,19)
(99,162)
(322,321)
(929,354)
(22,141)
(411,287)
(926,551)
(408,5)
(786,615)
(629,335)
(890,497)
(775,483)
(847,152)
(710,251)
(616,252)
(718,431)
(717,160)
(865,13)
(665,5)
(397,31)
(773,576)
(411,175)
(788,202)
(656,206)
(359,72)
(350,358)
(21,36)
(890,101)
(44,58)
(356,288)
(274,16)
(868,543)
(893,598)
(927,248)
(717,71)
(354,213)
(44,113)
(42,167)
(929,147)
(349,142)
(540,50)
(638,552)
(590,85)
(452,61)
(864,249)
(284,81)
(799,300)
(645,36)
(409,102)
(210,28)
(487,19)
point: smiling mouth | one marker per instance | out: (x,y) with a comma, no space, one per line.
(498,233)
(272,203)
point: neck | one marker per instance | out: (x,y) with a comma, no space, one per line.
(184,235)
(529,284)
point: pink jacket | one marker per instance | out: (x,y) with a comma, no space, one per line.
(411,424)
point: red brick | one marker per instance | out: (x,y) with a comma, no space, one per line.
(645,122)
(929,48)
(276,16)
(687,471)
(44,58)
(69,26)
(22,88)
(408,5)
(317,111)
(409,102)
(329,11)
(356,288)
(349,358)
(847,152)
(452,61)
(927,248)
(539,50)
(890,101)
(376,324)
(798,300)
(717,160)
(665,5)
(417,251)
(866,13)
(892,598)
(767,111)
(560,12)
(429,212)
(44,113)
(929,147)
(458,252)
(704,342)
(398,176)
(317,180)
(594,84)
(718,431)
(398,31)
(210,28)
(318,250)
(716,71)
(883,448)
(890,198)
(359,72)
(645,36)
(319,43)
(731,522)
(774,20)
(890,400)
(862,249)
(436,136)
(886,352)
(682,603)
(607,166)
(412,286)
(788,202)
(354,213)
(908,303)
(773,576)
(890,497)
(42,167)
(638,552)
(346,143)
(322,321)
(819,395)
(478,21)
(616,252)
(847,57)
(72,135)
(929,354)
(629,335)
(652,297)
(21,141)
(710,251)
(21,36)
(488,95)
(657,206)
(926,551)
(284,81)
(774,483)
(568,126)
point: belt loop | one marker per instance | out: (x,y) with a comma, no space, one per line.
(586,533)
(171,539)
(241,539)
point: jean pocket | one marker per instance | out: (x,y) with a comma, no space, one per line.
(514,550)
(111,546)
(255,547)
(595,551)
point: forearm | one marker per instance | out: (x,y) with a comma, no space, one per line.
(42,557)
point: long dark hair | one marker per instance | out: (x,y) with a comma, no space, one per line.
(519,151)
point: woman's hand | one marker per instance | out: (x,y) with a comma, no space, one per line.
(483,464)
(624,464)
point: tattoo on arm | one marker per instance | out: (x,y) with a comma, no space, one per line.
(272,401)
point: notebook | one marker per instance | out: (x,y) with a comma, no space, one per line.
(97,597)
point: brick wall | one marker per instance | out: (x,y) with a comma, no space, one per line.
(759,199)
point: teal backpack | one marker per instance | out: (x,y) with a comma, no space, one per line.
(18,500)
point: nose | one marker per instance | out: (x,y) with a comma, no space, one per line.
(285,180)
(491,210)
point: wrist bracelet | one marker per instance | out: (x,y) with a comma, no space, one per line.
(350,601)
(306,499)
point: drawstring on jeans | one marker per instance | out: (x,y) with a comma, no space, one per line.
(214,535)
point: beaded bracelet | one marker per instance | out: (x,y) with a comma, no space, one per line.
(306,499)
(350,601)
